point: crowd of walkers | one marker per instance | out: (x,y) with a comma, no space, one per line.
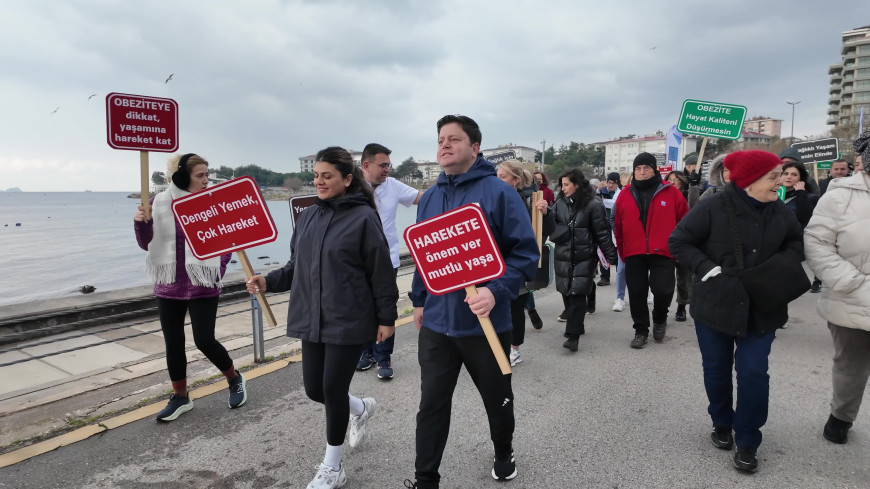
(731,248)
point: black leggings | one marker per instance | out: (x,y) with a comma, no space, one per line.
(326,372)
(518,318)
(203,313)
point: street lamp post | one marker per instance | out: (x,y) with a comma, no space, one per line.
(791,138)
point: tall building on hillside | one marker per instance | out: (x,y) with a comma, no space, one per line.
(850,79)
(763,125)
(306,163)
(510,152)
(619,153)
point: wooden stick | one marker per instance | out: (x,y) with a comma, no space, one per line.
(700,155)
(491,337)
(249,272)
(143,170)
(538,223)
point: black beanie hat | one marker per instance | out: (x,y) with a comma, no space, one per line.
(645,159)
(181,177)
(613,177)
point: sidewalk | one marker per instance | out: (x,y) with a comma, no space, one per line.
(127,355)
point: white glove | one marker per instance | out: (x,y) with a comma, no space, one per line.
(712,273)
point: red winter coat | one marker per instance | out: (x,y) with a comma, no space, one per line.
(666,209)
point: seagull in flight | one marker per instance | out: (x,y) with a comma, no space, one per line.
(92,96)
(653,48)
(55,110)
(169,78)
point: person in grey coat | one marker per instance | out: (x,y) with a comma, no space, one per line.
(717,178)
(344,295)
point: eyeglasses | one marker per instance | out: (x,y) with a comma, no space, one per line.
(385,166)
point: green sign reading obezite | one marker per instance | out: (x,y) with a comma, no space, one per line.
(712,119)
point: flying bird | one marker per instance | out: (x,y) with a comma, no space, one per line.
(92,96)
(169,78)
(55,110)
(652,48)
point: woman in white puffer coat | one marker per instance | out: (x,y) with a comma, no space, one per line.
(837,247)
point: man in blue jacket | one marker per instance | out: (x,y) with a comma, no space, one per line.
(450,332)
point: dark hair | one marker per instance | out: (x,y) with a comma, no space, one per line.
(341,159)
(373,149)
(804,174)
(186,163)
(468,126)
(544,178)
(584,193)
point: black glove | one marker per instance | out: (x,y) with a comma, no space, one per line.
(694,178)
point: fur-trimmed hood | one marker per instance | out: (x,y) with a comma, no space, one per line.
(714,176)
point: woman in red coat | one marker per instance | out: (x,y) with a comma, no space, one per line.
(647,211)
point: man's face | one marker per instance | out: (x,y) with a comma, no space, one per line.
(691,168)
(612,186)
(377,169)
(643,172)
(456,154)
(539,178)
(839,169)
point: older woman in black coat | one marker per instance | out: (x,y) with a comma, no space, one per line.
(581,228)
(734,330)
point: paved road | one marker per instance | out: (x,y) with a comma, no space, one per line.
(607,416)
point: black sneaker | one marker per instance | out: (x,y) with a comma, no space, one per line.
(385,370)
(659,331)
(504,470)
(571,344)
(816,287)
(563,317)
(366,361)
(177,406)
(590,309)
(836,430)
(238,391)
(420,485)
(722,438)
(603,282)
(681,313)
(537,323)
(639,341)
(745,459)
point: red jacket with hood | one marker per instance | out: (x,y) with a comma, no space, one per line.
(666,209)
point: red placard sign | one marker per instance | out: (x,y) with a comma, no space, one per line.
(228,217)
(141,123)
(664,170)
(454,250)
(299,204)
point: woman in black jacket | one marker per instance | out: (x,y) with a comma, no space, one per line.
(800,201)
(581,228)
(733,331)
(344,295)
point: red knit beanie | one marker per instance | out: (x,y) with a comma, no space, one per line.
(748,166)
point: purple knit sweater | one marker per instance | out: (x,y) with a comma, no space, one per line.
(182,288)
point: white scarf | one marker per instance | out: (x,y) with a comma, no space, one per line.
(160,261)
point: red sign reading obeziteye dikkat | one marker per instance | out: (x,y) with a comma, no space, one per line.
(228,217)
(454,250)
(137,122)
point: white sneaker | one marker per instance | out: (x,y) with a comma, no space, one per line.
(649,298)
(619,305)
(328,478)
(515,357)
(358,434)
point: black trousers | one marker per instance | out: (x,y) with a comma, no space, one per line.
(326,373)
(575,314)
(518,319)
(642,274)
(684,285)
(605,272)
(203,313)
(441,358)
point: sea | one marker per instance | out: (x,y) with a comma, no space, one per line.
(53,243)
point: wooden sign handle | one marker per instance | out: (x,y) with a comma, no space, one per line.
(491,337)
(261,296)
(700,155)
(143,193)
(538,223)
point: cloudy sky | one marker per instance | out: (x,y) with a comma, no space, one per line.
(266,82)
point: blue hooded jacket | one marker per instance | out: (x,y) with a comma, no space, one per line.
(508,219)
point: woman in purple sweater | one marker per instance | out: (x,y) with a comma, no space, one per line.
(184,284)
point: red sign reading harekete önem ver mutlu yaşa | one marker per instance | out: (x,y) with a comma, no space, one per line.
(454,250)
(228,217)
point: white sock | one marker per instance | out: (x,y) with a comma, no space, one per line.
(356,405)
(332,457)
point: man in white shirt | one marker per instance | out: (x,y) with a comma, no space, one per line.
(389,193)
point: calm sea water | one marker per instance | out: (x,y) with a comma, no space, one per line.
(69,239)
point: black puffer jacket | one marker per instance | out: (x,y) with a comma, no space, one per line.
(577,238)
(702,240)
(342,280)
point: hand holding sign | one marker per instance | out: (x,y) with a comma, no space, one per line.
(454,251)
